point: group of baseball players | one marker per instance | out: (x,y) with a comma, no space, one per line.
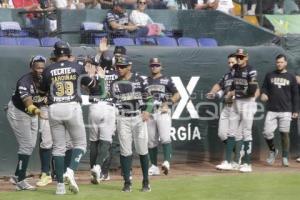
(239,89)
(48,100)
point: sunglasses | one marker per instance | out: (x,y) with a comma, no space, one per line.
(121,66)
(240,57)
(142,2)
(155,65)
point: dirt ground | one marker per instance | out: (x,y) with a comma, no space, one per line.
(188,169)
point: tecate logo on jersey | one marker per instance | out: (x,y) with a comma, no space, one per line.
(187,133)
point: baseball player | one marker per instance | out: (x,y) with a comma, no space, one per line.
(60,81)
(22,115)
(245,90)
(129,92)
(280,92)
(164,94)
(219,90)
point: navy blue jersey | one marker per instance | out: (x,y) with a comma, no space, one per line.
(61,80)
(282,91)
(242,77)
(226,82)
(161,89)
(130,95)
(27,87)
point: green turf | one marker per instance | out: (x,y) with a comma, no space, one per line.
(258,186)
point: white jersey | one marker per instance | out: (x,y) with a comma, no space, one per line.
(224,5)
(139,18)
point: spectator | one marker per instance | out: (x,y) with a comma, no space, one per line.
(106,4)
(225,6)
(139,18)
(6,4)
(63,4)
(267,6)
(117,22)
(90,4)
(31,19)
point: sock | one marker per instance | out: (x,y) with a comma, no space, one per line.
(76,157)
(126,166)
(59,168)
(68,158)
(22,166)
(93,152)
(45,156)
(145,166)
(107,162)
(248,151)
(285,143)
(167,150)
(238,149)
(270,143)
(153,155)
(104,148)
(229,148)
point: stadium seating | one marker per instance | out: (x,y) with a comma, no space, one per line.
(166,41)
(10,26)
(145,41)
(207,42)
(9,41)
(122,41)
(187,42)
(91,26)
(49,41)
(28,41)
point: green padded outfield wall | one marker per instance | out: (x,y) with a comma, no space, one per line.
(194,129)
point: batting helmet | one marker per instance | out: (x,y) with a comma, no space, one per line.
(62,48)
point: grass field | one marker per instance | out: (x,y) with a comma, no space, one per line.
(256,186)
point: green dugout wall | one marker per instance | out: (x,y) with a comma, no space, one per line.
(194,131)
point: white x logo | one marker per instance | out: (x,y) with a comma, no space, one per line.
(185,94)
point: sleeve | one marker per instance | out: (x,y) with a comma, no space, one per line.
(23,88)
(252,75)
(171,87)
(133,17)
(86,80)
(147,97)
(295,95)
(222,83)
(265,86)
(110,17)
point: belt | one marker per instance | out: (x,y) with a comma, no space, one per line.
(130,113)
(95,101)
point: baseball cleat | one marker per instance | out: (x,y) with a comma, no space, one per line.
(127,187)
(165,167)
(13,180)
(235,166)
(104,177)
(23,185)
(60,189)
(285,162)
(95,172)
(153,171)
(272,156)
(224,166)
(246,168)
(44,180)
(146,187)
(69,179)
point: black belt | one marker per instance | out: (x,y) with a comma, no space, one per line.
(129,114)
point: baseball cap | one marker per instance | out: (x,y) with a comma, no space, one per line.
(154,61)
(123,60)
(37,58)
(120,50)
(94,60)
(241,52)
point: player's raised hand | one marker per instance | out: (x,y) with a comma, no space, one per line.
(210,95)
(264,97)
(100,72)
(103,45)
